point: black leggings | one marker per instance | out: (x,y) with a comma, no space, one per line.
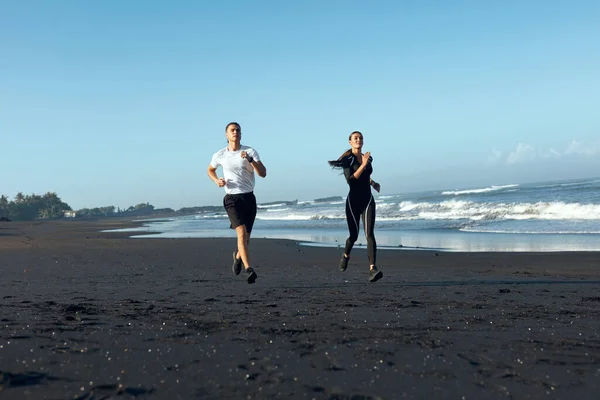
(355,209)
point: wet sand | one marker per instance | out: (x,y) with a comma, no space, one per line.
(90,315)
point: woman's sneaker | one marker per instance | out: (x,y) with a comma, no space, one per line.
(375,275)
(343,263)
(251,275)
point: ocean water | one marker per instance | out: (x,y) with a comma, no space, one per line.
(546,216)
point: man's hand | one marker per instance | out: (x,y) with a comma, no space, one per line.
(220,182)
(245,156)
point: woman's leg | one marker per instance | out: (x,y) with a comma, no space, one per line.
(369,223)
(352,218)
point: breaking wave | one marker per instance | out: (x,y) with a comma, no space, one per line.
(478,191)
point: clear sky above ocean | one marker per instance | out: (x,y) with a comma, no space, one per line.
(122,102)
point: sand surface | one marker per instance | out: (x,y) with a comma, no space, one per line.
(91,315)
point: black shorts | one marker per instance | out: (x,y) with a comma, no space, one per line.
(241,209)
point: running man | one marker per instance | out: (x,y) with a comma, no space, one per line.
(239,164)
(360,202)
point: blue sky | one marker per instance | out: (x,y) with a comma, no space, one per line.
(122,102)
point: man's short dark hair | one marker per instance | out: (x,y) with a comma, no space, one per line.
(232,123)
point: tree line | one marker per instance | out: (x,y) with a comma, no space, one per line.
(50,206)
(32,207)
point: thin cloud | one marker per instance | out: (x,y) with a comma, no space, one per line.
(552,153)
(523,153)
(527,153)
(577,148)
(494,157)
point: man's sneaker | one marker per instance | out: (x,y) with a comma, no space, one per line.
(251,275)
(343,263)
(237,264)
(375,275)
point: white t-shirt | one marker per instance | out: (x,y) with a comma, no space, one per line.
(237,171)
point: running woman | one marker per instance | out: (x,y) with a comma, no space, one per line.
(360,202)
(239,165)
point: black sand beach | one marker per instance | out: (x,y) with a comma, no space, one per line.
(90,315)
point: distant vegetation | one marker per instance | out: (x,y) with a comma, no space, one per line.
(27,208)
(50,206)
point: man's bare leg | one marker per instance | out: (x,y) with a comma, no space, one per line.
(243,238)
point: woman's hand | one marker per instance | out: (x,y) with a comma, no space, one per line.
(365,157)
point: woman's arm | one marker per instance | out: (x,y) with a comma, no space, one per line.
(375,185)
(363,165)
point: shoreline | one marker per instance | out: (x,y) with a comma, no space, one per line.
(89,314)
(441,241)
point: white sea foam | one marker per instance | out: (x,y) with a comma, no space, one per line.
(532,231)
(453,209)
(460,209)
(477,191)
(297,217)
(271,205)
(210,216)
(409,205)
